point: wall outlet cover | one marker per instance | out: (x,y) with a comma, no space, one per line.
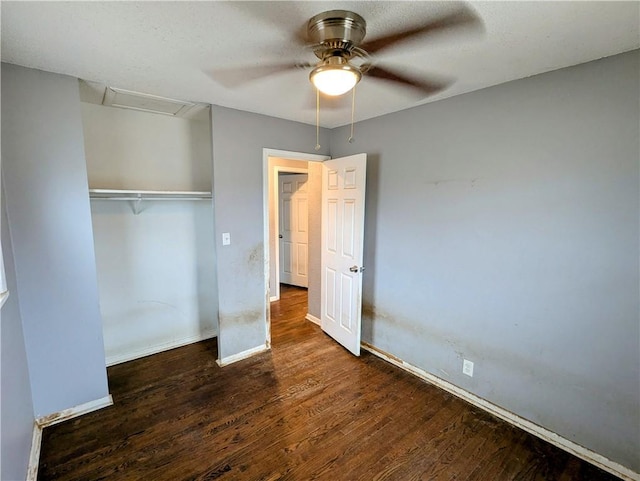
(467,367)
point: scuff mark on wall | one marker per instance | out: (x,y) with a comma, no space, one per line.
(256,256)
(242,317)
(161,303)
(436,183)
(422,333)
(244,329)
(421,329)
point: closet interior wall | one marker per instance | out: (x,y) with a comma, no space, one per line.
(156,263)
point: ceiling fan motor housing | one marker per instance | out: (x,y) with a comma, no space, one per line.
(336,30)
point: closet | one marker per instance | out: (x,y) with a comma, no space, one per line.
(150,178)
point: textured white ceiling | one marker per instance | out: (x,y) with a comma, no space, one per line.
(173,49)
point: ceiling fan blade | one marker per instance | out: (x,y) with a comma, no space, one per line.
(421,86)
(238,76)
(464,18)
(279,15)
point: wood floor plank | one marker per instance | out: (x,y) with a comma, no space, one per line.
(306,410)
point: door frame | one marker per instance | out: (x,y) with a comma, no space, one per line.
(281,154)
(277,170)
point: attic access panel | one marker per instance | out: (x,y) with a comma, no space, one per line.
(115,97)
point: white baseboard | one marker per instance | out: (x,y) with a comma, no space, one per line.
(242,355)
(74,412)
(532,428)
(166,346)
(274,298)
(313,319)
(55,418)
(34,455)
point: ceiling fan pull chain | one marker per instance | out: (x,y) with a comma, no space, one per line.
(317,119)
(353,111)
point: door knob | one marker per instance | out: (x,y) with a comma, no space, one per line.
(356,269)
(280,236)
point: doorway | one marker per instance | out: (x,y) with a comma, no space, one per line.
(276,163)
(335,265)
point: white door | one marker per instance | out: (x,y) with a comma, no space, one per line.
(343,188)
(294,229)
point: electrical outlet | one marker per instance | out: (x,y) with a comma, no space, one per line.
(226,239)
(467,367)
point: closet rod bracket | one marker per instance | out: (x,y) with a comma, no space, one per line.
(137,205)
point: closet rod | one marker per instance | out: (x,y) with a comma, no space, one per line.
(117,194)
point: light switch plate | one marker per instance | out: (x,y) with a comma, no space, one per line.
(226,238)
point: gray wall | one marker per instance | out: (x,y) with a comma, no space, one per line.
(238,142)
(45,181)
(16,409)
(502,227)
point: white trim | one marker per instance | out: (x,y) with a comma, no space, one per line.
(518,421)
(282,154)
(274,299)
(242,355)
(3,297)
(314,319)
(55,418)
(74,412)
(288,154)
(166,346)
(3,278)
(34,455)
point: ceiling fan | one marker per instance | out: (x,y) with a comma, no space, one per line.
(337,38)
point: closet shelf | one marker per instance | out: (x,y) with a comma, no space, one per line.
(137,196)
(115,194)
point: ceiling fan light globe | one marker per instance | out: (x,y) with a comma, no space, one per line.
(336,80)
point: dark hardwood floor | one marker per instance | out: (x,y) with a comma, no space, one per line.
(305,410)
